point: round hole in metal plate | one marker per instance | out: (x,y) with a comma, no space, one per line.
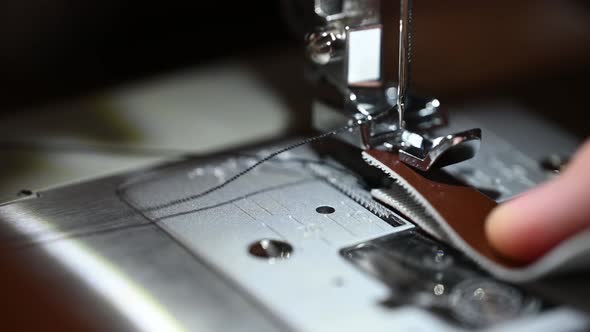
(271,249)
(325,209)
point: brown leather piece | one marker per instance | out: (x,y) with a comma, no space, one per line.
(463,208)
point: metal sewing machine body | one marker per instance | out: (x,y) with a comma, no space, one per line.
(298,244)
(346,50)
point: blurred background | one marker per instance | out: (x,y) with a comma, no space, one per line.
(93,87)
(57,49)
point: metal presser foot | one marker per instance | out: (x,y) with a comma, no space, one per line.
(418,150)
(422,153)
(346,52)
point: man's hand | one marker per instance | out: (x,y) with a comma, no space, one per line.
(530,225)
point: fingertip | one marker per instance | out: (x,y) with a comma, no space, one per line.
(528,226)
(533,223)
(503,235)
(495,227)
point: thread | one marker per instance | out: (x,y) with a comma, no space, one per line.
(260,162)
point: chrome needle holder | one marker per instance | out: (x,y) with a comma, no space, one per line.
(414,149)
(404,58)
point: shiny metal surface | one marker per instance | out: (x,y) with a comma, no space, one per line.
(271,249)
(346,10)
(508,160)
(366,93)
(345,49)
(181,269)
(422,153)
(325,46)
(94,249)
(326,42)
(362,102)
(404,58)
(277,201)
(431,275)
(416,149)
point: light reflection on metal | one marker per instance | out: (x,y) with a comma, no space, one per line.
(439,289)
(404,58)
(131,301)
(421,152)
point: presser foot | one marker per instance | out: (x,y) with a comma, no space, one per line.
(422,152)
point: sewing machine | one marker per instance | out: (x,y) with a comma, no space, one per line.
(296,243)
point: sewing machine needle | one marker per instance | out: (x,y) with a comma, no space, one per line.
(404,57)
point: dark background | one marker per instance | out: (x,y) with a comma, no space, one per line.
(57,49)
(52,49)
